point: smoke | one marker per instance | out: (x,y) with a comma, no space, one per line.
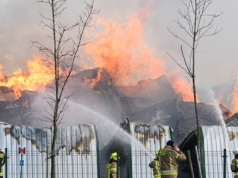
(83,106)
(160,118)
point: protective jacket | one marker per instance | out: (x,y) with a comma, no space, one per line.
(169,161)
(155,165)
(111,169)
(2,162)
(234,166)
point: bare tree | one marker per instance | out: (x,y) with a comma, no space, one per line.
(64,52)
(197,25)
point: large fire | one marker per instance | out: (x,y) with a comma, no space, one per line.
(183,88)
(39,74)
(117,47)
(121,50)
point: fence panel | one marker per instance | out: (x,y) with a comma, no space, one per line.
(93,165)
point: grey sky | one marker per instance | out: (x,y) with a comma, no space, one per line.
(217,55)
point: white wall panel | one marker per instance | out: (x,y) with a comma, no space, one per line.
(146,140)
(215,140)
(76,148)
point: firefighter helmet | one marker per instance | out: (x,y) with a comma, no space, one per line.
(235,151)
(170,143)
(114,156)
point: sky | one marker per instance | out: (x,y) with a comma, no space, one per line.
(216,63)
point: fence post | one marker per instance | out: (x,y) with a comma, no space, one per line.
(129,158)
(118,166)
(224,163)
(47,150)
(198,161)
(190,163)
(6,162)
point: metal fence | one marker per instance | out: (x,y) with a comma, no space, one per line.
(38,165)
(93,165)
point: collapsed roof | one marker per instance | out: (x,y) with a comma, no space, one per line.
(152,101)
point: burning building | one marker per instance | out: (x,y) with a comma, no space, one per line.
(97,99)
(152,101)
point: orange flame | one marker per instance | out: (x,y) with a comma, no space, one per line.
(121,50)
(38,76)
(183,88)
(94,82)
(235,97)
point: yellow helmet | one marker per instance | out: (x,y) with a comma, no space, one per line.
(114,156)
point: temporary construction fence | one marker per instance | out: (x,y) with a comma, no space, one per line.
(153,138)
(217,144)
(28,154)
(135,144)
(77,152)
(38,166)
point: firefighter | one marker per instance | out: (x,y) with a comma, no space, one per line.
(2,162)
(169,158)
(111,167)
(234,163)
(155,165)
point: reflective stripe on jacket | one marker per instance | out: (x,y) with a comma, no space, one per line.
(169,172)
